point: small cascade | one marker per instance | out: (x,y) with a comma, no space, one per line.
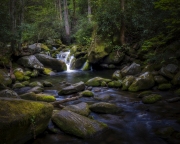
(64,56)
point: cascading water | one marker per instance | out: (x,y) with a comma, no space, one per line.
(64,56)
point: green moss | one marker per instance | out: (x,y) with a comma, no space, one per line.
(47,71)
(86,66)
(19,75)
(27,73)
(87,93)
(133,88)
(35,73)
(26,83)
(93,83)
(103,84)
(115,84)
(44,47)
(18,85)
(166,86)
(151,98)
(34,84)
(27,78)
(144,93)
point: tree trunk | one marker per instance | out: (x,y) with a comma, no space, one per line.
(89,11)
(59,10)
(122,29)
(66,21)
(74,12)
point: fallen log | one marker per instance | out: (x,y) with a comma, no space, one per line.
(57,103)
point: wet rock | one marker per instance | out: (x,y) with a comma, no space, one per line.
(115,84)
(166,73)
(77,87)
(19,74)
(76,124)
(30,62)
(143,82)
(77,63)
(165,86)
(172,100)
(20,120)
(34,84)
(133,69)
(18,85)
(86,66)
(47,84)
(34,73)
(52,63)
(150,99)
(38,97)
(102,97)
(171,68)
(103,107)
(144,93)
(95,82)
(165,132)
(87,93)
(8,94)
(127,82)
(114,58)
(117,75)
(81,108)
(36,89)
(160,79)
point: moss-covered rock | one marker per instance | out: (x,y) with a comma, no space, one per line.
(81,108)
(127,82)
(143,82)
(77,87)
(86,66)
(113,58)
(165,86)
(103,84)
(47,84)
(34,73)
(117,75)
(26,78)
(76,124)
(95,82)
(166,73)
(48,71)
(38,97)
(151,98)
(160,79)
(144,93)
(35,83)
(26,83)
(52,63)
(115,84)
(18,85)
(19,75)
(103,107)
(27,73)
(5,80)
(36,89)
(8,94)
(21,120)
(44,47)
(87,93)
(77,63)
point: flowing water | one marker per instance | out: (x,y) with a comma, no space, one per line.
(135,125)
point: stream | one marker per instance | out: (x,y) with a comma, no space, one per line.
(137,123)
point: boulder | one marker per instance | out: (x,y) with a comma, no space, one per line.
(18,85)
(176,79)
(160,79)
(165,86)
(19,74)
(36,89)
(87,93)
(127,82)
(77,87)
(103,107)
(81,108)
(164,72)
(38,97)
(30,62)
(143,82)
(22,120)
(172,68)
(52,63)
(8,94)
(150,99)
(117,75)
(133,69)
(5,80)
(76,124)
(77,63)
(115,84)
(95,82)
(113,58)
(35,83)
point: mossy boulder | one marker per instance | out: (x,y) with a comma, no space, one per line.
(133,69)
(18,85)
(5,80)
(35,83)
(44,47)
(144,93)
(76,124)
(165,86)
(81,108)
(38,97)
(77,87)
(19,75)
(77,63)
(27,73)
(117,75)
(34,73)
(128,80)
(115,84)
(73,50)
(87,93)
(95,82)
(98,53)
(104,107)
(26,78)
(30,62)
(26,83)
(48,71)
(150,99)
(47,84)
(176,79)
(86,66)
(113,58)
(52,63)
(8,94)
(160,79)
(143,82)
(36,89)
(21,120)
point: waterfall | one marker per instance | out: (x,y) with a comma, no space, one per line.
(65,56)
